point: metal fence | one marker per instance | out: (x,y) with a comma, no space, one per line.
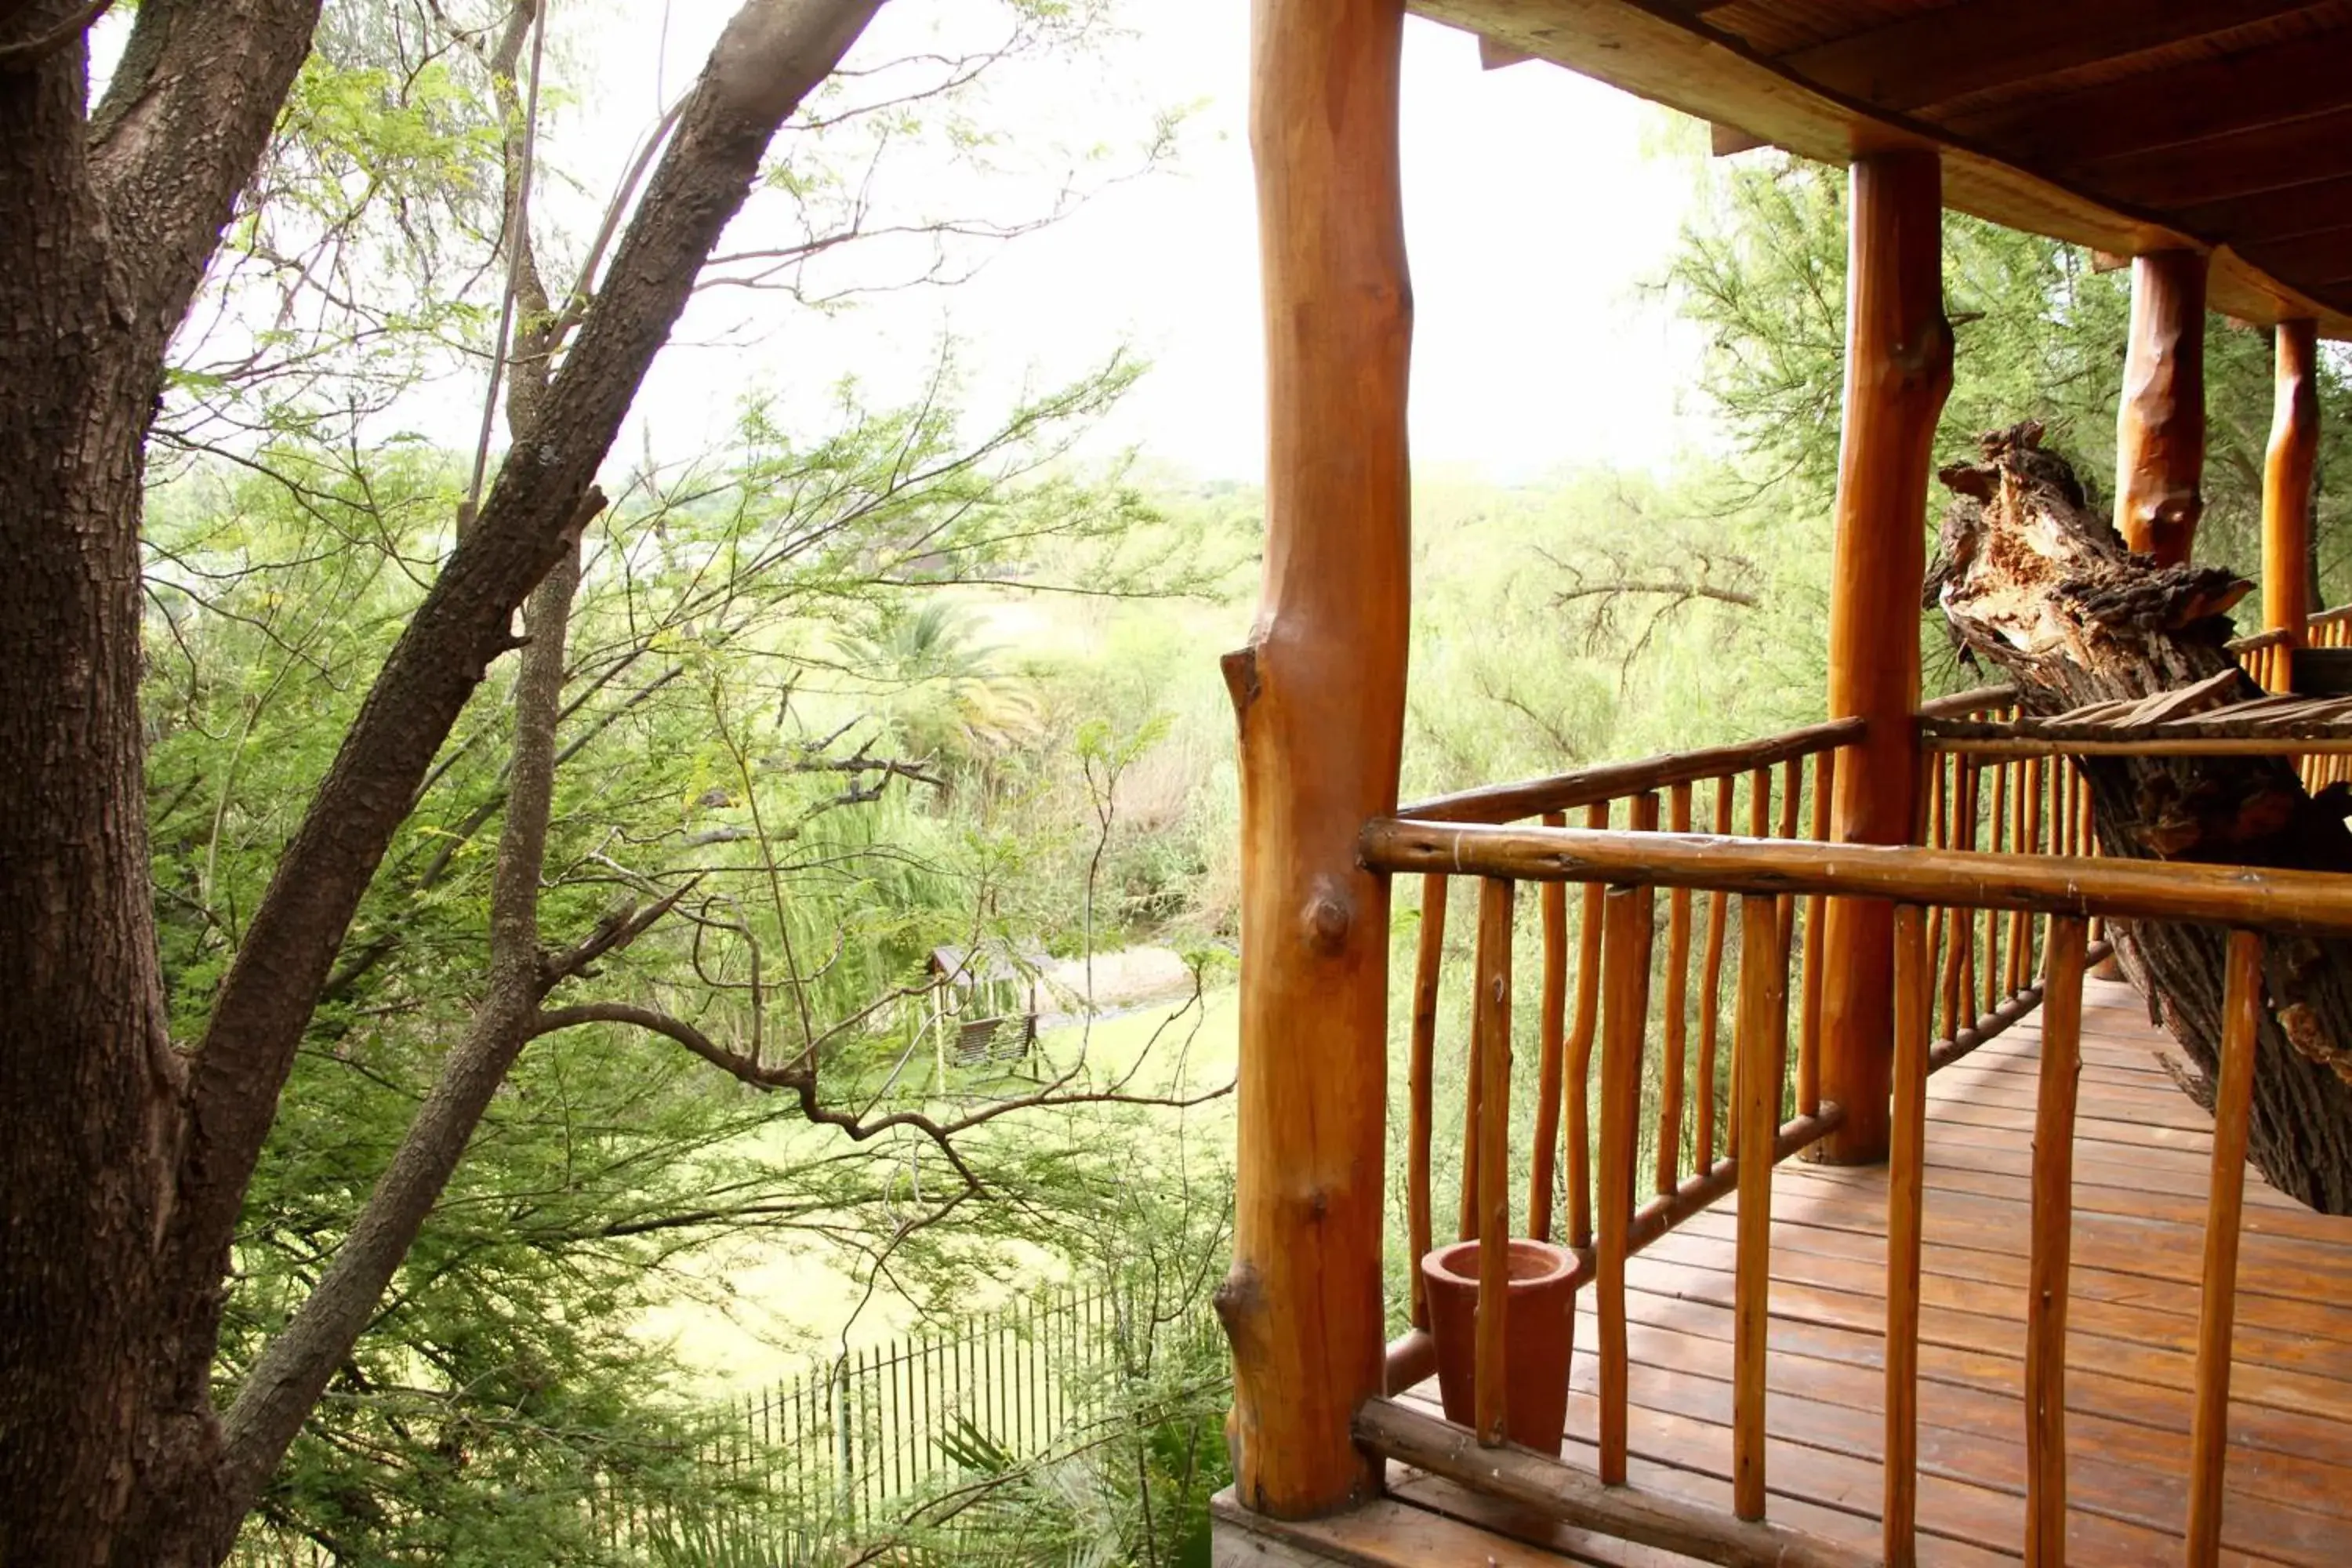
(848,1448)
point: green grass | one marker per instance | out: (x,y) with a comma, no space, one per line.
(761,1306)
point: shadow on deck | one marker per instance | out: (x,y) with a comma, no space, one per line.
(2140,1176)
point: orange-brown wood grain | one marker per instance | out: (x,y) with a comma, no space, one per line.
(1428,961)
(1762,1045)
(2050,1247)
(2286,483)
(1318,692)
(1577,1091)
(2209,1431)
(2160,417)
(1625,1021)
(1898,371)
(1490,1365)
(1551,1013)
(1905,1217)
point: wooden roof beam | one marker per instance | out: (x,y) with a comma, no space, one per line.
(1670,60)
(1933,56)
(2275,158)
(2167,106)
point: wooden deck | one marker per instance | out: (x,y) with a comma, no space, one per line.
(2140,1174)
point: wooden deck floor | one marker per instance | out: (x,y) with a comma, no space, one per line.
(2140,1178)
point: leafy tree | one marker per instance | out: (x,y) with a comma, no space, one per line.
(2040,333)
(284,918)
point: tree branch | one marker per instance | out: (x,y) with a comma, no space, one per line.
(770,54)
(185,121)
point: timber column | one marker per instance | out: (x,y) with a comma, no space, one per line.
(2160,417)
(1898,369)
(2286,480)
(1319,692)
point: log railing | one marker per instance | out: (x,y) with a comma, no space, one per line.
(2268,658)
(1986,967)
(1662,1125)
(1764,875)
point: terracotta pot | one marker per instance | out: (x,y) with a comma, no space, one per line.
(1538,1333)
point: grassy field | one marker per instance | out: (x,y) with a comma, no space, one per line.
(759,1309)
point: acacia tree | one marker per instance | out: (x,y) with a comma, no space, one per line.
(125,1156)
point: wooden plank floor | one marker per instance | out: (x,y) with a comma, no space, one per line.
(2141,1156)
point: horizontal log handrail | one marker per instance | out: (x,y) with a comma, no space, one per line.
(2307,903)
(1959,704)
(1615,781)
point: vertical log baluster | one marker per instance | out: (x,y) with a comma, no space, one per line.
(1792,785)
(1906,1205)
(1959,958)
(1809,1037)
(1472,1082)
(1763,1048)
(2051,1247)
(1940,835)
(1759,826)
(2209,1431)
(1677,1040)
(1579,1088)
(1625,1016)
(1550,1017)
(1492,1371)
(1427,963)
(1996,840)
(2020,838)
(1718,910)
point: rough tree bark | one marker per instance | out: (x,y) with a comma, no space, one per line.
(123,1161)
(2034,582)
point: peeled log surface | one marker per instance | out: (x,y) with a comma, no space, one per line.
(2034,582)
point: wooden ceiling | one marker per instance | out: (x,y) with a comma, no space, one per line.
(2125,125)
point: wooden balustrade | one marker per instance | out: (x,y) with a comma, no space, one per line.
(1659,1150)
(1981,936)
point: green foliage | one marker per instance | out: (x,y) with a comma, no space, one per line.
(2039,334)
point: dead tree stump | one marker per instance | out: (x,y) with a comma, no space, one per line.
(2032,580)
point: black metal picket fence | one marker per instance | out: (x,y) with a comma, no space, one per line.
(852,1448)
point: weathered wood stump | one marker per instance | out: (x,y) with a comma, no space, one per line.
(2034,581)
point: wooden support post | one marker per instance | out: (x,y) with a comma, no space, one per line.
(1898,369)
(2160,419)
(2286,481)
(2208,1429)
(2051,1248)
(1319,694)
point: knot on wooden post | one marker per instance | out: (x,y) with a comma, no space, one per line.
(1328,915)
(1242,684)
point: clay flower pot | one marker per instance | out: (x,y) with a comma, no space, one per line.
(1538,1333)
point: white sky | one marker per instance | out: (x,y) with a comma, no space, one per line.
(1536,209)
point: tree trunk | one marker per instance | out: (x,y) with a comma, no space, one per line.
(2032,580)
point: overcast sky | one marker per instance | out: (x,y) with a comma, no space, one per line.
(1537,204)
